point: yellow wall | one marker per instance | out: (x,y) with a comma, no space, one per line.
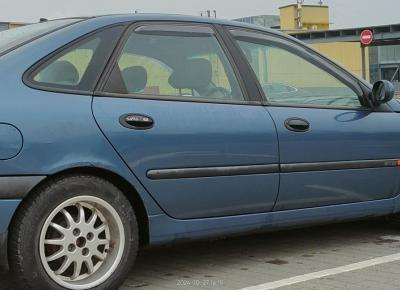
(315,15)
(347,54)
(312,17)
(288,18)
(301,74)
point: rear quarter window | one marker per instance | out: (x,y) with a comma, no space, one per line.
(77,66)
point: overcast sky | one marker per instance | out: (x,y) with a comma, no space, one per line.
(343,13)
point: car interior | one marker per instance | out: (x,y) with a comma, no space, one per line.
(186,61)
(61,72)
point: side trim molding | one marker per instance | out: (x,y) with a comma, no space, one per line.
(212,171)
(16,187)
(338,165)
(268,168)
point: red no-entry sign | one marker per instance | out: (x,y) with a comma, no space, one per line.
(366,37)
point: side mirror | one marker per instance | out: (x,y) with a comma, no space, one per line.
(382,92)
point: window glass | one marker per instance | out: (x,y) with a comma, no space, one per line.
(69,69)
(77,67)
(174,62)
(146,75)
(288,78)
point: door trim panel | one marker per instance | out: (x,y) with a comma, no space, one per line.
(212,171)
(339,165)
(177,173)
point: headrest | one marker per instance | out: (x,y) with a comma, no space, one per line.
(61,72)
(135,78)
(193,74)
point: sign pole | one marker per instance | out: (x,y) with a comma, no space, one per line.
(366,38)
(364,65)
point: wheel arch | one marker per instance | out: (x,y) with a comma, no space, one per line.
(117,180)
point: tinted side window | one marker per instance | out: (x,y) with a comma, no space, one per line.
(77,67)
(290,79)
(174,61)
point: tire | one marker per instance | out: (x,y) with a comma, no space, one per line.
(43,239)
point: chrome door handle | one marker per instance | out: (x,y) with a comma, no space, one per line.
(136,121)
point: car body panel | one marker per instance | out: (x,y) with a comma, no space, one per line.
(192,134)
(11,141)
(7,208)
(337,136)
(164,229)
(64,135)
(320,188)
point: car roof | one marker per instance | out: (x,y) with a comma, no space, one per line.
(185,18)
(117,18)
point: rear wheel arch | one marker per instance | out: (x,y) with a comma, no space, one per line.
(121,183)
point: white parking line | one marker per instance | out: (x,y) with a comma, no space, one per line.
(325,273)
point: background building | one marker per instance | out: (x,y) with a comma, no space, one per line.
(343,45)
(298,16)
(310,23)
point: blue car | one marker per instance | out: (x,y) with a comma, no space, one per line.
(122,131)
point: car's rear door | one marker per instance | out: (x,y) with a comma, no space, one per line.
(333,148)
(176,111)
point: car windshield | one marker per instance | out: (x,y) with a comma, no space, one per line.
(12,38)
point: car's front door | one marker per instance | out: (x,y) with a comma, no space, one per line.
(333,150)
(175,111)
